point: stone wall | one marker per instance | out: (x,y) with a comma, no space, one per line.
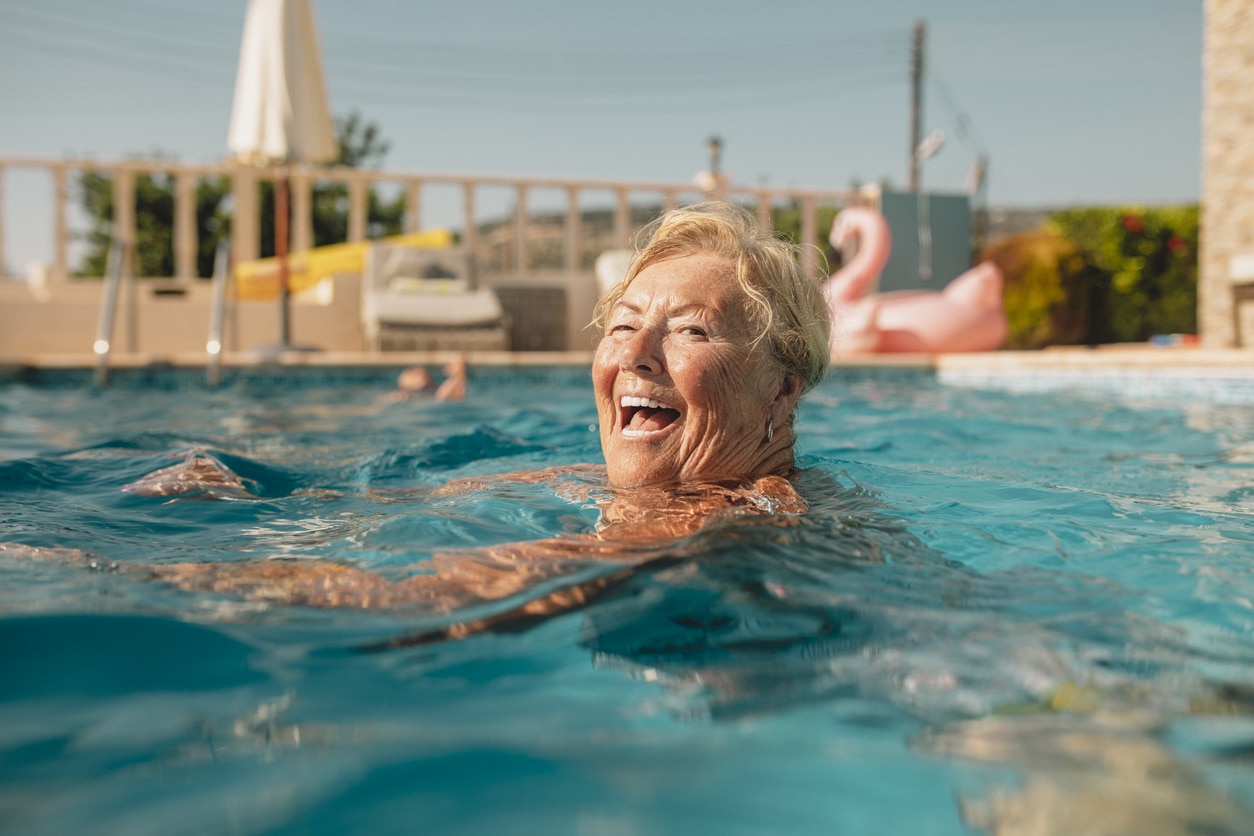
(1227,222)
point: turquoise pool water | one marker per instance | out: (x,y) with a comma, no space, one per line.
(1005,611)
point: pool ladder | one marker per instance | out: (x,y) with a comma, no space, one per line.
(119,265)
(118,261)
(217,313)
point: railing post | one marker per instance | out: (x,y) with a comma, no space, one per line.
(357,209)
(245,231)
(60,228)
(574,231)
(124,205)
(520,230)
(809,234)
(764,210)
(184,225)
(302,211)
(470,233)
(3,261)
(622,220)
(413,205)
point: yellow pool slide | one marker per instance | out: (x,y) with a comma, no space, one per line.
(259,280)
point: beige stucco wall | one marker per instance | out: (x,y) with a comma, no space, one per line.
(1227,223)
(63,318)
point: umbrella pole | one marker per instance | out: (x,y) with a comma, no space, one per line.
(280,253)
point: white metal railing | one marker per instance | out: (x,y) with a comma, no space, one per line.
(118,262)
(217,314)
(245,234)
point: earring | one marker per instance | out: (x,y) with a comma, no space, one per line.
(770,430)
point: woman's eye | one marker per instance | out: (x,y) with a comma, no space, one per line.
(692,331)
(621,328)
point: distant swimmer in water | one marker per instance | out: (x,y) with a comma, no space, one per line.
(416,381)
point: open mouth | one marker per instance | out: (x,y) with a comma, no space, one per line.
(642,416)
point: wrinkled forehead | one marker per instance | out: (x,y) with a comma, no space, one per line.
(687,281)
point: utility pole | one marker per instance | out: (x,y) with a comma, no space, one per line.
(916,102)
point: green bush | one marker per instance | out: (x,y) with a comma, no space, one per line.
(1048,292)
(1101,275)
(1148,258)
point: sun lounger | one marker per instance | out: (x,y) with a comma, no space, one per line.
(424,299)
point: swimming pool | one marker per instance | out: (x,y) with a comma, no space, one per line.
(1005,609)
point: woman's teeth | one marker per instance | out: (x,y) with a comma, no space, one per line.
(630,401)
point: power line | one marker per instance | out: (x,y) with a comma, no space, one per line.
(147,42)
(964,127)
(63,49)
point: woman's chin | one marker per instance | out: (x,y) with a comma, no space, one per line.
(636,480)
(639,474)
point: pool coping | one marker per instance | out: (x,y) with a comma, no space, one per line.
(1137,371)
(1127,372)
(1135,356)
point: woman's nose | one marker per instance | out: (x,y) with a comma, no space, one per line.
(642,352)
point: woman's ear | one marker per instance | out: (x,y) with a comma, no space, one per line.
(786,399)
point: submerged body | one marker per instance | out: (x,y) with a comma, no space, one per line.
(635,527)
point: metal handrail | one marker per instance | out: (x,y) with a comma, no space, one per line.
(118,250)
(217,312)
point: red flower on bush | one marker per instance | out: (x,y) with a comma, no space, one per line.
(1132,224)
(1177,245)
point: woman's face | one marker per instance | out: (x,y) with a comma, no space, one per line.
(681,394)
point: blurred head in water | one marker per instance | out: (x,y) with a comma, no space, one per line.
(707,345)
(414,379)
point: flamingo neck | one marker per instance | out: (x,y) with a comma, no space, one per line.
(874,246)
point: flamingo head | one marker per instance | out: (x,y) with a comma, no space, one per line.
(857,222)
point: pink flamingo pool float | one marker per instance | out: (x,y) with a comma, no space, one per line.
(966,316)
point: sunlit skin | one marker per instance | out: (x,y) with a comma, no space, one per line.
(680,336)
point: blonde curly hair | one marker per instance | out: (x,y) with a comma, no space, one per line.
(785,306)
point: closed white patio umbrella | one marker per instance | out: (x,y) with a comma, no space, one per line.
(280,114)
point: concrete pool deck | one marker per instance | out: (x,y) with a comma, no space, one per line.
(1143,357)
(1107,356)
(1143,371)
(1136,371)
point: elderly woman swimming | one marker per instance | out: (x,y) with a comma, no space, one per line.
(708,343)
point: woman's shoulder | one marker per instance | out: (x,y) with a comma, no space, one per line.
(781,493)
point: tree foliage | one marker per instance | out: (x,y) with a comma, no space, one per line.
(154,222)
(360,145)
(786,220)
(1050,290)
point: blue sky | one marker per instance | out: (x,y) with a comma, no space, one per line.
(1072,101)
